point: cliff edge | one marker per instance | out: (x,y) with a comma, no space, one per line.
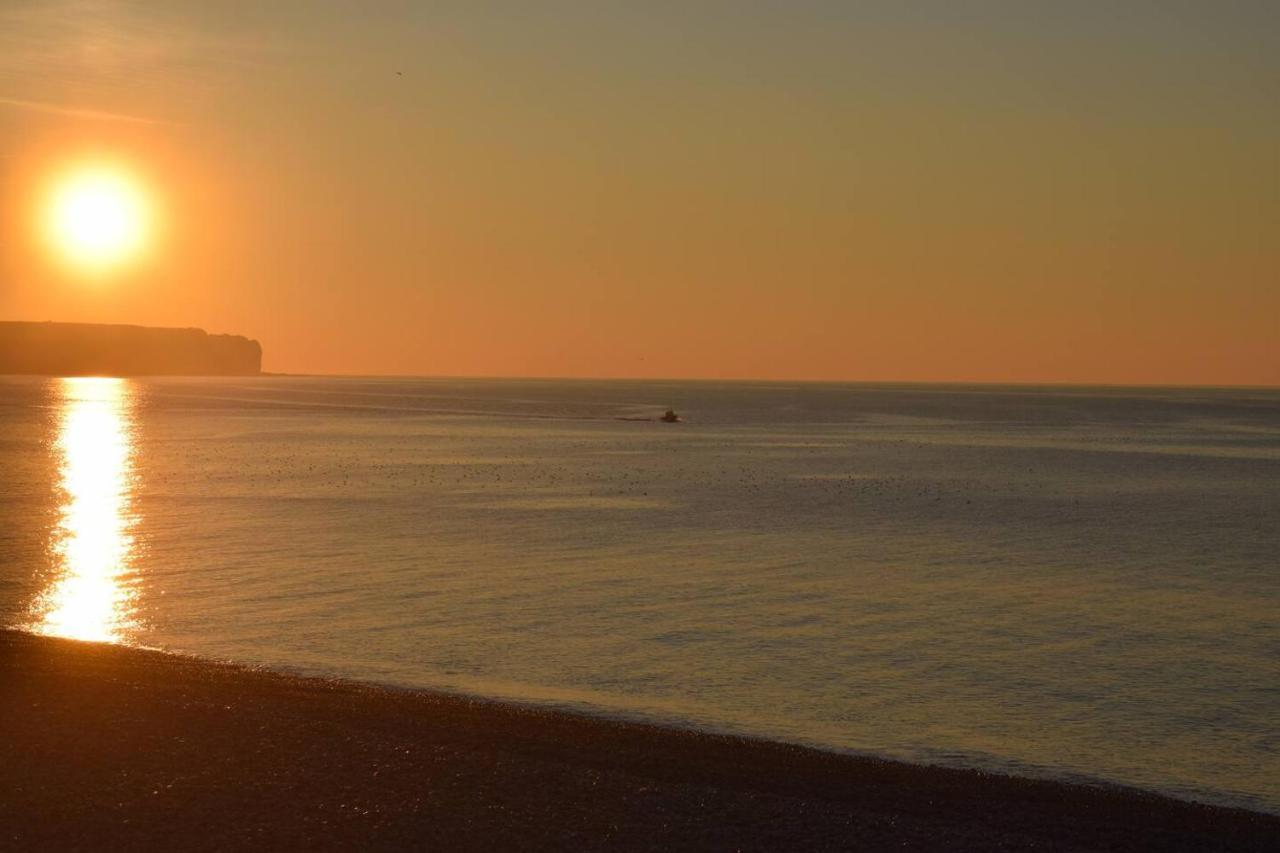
(90,349)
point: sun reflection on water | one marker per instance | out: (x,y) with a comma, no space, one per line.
(92,596)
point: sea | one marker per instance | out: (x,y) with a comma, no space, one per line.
(1062,582)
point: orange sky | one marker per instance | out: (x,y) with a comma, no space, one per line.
(1001,192)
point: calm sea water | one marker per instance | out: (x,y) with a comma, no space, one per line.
(1063,582)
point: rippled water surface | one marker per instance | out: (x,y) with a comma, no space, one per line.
(1071,582)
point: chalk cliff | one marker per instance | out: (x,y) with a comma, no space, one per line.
(88,349)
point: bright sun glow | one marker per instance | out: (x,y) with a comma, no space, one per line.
(98,217)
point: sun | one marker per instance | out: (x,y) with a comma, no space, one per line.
(97,217)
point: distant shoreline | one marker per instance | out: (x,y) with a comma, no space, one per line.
(111,747)
(103,349)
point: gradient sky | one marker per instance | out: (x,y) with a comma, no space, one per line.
(988,191)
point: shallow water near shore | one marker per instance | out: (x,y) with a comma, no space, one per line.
(1063,581)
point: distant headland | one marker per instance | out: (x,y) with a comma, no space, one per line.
(90,349)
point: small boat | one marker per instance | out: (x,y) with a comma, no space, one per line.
(670,417)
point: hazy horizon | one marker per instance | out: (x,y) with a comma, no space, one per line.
(743,380)
(999,193)
(799,380)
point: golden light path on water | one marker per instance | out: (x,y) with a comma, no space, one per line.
(91,596)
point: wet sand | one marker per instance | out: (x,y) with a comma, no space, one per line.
(108,748)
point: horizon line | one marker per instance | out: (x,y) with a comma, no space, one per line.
(798,381)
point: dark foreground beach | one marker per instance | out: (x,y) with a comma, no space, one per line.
(109,748)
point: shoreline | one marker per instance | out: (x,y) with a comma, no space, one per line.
(982,765)
(109,747)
